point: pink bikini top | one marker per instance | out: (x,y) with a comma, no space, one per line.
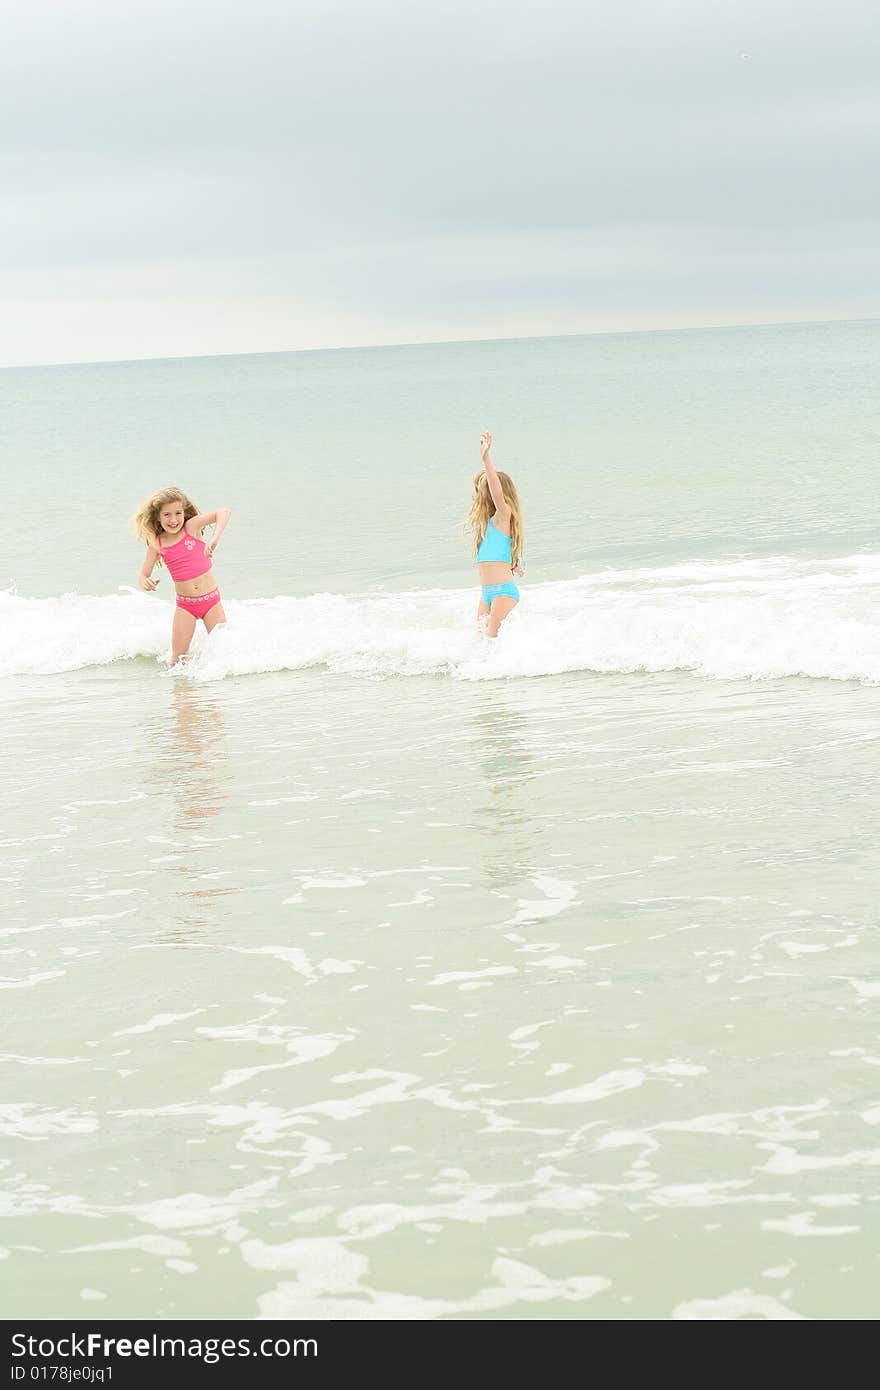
(186,558)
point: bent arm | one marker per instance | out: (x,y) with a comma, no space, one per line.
(147,569)
(216,519)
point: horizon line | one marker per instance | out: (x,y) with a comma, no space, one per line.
(434,342)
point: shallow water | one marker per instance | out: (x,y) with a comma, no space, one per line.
(363,971)
(499,1011)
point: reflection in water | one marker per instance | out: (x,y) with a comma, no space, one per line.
(509,831)
(198,737)
(189,757)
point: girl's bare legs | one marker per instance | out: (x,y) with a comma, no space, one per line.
(182,630)
(214,616)
(501,606)
(482,615)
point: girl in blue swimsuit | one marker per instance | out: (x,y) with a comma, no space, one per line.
(495,520)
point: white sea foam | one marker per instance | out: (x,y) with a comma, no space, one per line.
(751,618)
(732,1307)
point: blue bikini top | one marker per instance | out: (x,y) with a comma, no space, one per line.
(494,545)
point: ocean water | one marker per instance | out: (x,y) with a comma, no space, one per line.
(368,970)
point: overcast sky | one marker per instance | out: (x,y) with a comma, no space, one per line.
(212,176)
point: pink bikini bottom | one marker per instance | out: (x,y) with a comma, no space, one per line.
(201,605)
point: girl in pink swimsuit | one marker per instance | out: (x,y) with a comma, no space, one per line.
(171,526)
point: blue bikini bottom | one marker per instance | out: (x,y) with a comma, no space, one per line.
(508,590)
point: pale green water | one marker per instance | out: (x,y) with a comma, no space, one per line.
(426,995)
(350,470)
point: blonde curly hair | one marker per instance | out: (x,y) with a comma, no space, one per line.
(483,509)
(145,521)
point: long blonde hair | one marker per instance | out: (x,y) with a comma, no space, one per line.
(146,519)
(483,509)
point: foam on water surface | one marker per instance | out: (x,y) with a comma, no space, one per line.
(765,618)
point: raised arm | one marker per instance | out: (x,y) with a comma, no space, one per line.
(218,520)
(502,510)
(147,569)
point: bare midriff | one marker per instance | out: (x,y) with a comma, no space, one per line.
(495,572)
(195,588)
